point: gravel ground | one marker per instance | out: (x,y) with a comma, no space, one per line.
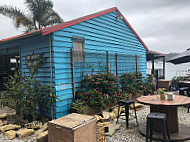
(132,134)
(122,135)
(27,139)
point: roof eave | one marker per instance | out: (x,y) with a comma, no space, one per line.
(25,35)
(155,52)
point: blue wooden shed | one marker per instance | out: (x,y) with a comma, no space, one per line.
(94,40)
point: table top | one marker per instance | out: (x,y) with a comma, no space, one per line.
(178,100)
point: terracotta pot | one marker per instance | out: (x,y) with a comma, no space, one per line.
(162,96)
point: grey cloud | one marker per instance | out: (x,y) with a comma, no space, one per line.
(164,25)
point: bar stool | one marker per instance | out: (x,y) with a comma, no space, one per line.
(160,117)
(126,103)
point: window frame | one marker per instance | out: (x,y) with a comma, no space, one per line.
(81,40)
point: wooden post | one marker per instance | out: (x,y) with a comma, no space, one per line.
(53,115)
(107,55)
(164,67)
(116,60)
(136,58)
(73,74)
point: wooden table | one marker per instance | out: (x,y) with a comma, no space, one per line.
(169,107)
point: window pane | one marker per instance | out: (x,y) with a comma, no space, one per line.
(78,50)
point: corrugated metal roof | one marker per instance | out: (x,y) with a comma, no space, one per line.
(183,57)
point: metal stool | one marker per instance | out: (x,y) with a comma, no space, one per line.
(126,103)
(183,90)
(160,117)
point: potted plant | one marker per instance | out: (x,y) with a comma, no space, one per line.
(162,93)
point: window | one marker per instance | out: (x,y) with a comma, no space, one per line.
(78,48)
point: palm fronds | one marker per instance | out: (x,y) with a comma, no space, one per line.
(40,14)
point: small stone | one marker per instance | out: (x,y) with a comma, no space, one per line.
(9,127)
(97,117)
(5,122)
(43,137)
(105,115)
(104,120)
(3,115)
(137,105)
(24,132)
(10,134)
(37,126)
(43,128)
(112,115)
(115,111)
(1,122)
(11,113)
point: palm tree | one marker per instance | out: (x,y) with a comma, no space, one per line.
(40,15)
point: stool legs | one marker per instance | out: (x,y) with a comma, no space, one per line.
(135,114)
(127,115)
(147,130)
(165,130)
(151,130)
(118,113)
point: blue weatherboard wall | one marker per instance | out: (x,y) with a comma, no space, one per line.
(103,33)
(37,45)
(33,45)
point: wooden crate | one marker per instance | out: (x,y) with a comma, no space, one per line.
(72,128)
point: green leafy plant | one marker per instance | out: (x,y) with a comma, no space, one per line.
(79,106)
(161,90)
(100,89)
(39,14)
(149,85)
(27,95)
(148,88)
(133,83)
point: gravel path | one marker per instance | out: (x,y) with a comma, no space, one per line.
(132,134)
(122,135)
(27,139)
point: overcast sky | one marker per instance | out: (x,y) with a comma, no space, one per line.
(164,25)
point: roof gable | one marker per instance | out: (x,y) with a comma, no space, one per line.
(57,27)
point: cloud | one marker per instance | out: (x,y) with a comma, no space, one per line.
(164,25)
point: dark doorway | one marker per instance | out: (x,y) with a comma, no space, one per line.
(8,65)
